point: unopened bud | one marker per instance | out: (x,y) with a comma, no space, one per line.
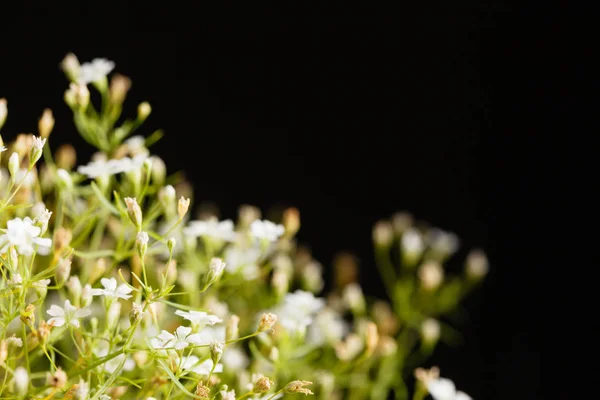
(66,157)
(14,165)
(119,86)
(231,329)
(141,243)
(64,179)
(86,295)
(28,315)
(215,270)
(280,283)
(62,239)
(140,358)
(202,391)
(371,338)
(21,381)
(477,265)
(216,351)
(267,320)
(36,150)
(63,271)
(346,269)
(3,351)
(247,214)
(291,221)
(431,275)
(354,298)
(134,211)
(113,314)
(169,271)
(159,170)
(182,206)
(42,220)
(144,110)
(70,66)
(98,271)
(297,387)
(46,123)
(77,95)
(43,331)
(430,331)
(136,313)
(386,346)
(401,221)
(312,277)
(383,234)
(412,247)
(3,113)
(75,289)
(262,385)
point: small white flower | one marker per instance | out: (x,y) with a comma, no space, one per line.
(41,284)
(266,230)
(444,389)
(442,242)
(82,390)
(213,228)
(329,327)
(95,71)
(15,279)
(24,235)
(178,341)
(68,315)
(21,380)
(112,290)
(199,317)
(44,216)
(243,260)
(235,359)
(192,363)
(101,167)
(412,242)
(298,310)
(15,341)
(38,143)
(209,334)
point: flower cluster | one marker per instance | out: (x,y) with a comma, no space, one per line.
(112,288)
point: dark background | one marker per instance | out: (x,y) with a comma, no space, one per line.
(348,114)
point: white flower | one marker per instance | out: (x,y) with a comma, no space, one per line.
(16,279)
(137,145)
(82,390)
(443,242)
(412,242)
(68,315)
(41,284)
(21,380)
(235,359)
(329,327)
(266,230)
(192,363)
(444,389)
(210,334)
(111,365)
(95,71)
(430,330)
(101,167)
(199,317)
(38,143)
(243,260)
(222,230)
(180,340)
(298,310)
(2,149)
(24,235)
(112,290)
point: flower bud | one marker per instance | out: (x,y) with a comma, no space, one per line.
(119,86)
(169,271)
(64,179)
(46,123)
(144,110)
(431,275)
(477,265)
(346,269)
(113,315)
(231,329)
(371,338)
(401,221)
(248,214)
(70,66)
(182,206)
(297,387)
(383,234)
(430,331)
(42,220)
(354,298)
(412,247)
(267,320)
(136,313)
(262,385)
(159,170)
(86,295)
(13,166)
(216,351)
(134,211)
(312,277)
(66,157)
(215,270)
(141,243)
(21,381)
(28,315)
(63,271)
(62,239)
(3,112)
(36,150)
(291,221)
(75,289)
(280,283)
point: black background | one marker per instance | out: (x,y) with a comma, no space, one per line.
(347,113)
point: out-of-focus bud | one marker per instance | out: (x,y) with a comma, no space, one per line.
(43,331)
(371,338)
(346,269)
(119,86)
(280,283)
(136,313)
(13,166)
(144,110)
(167,197)
(431,275)
(202,391)
(63,271)
(387,346)
(64,179)
(291,221)
(75,289)
(112,316)
(267,320)
(312,277)
(247,214)
(141,243)
(215,270)
(77,95)
(140,358)
(70,66)
(385,318)
(159,170)
(46,123)
(262,385)
(116,392)
(98,270)
(134,211)
(62,239)
(182,206)
(216,351)
(401,221)
(383,234)
(231,329)
(36,150)
(28,315)
(477,265)
(350,347)
(86,295)
(412,247)
(42,219)
(354,298)
(3,112)
(66,157)
(442,244)
(21,381)
(430,331)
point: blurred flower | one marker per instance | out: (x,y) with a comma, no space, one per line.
(222,230)
(24,235)
(97,168)
(95,71)
(266,230)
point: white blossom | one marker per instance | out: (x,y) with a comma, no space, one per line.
(95,71)
(112,290)
(82,390)
(15,279)
(266,230)
(21,380)
(298,310)
(101,167)
(68,315)
(213,228)
(243,260)
(178,341)
(210,334)
(328,327)
(412,242)
(235,359)
(444,389)
(443,242)
(38,143)
(24,235)
(192,363)
(199,317)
